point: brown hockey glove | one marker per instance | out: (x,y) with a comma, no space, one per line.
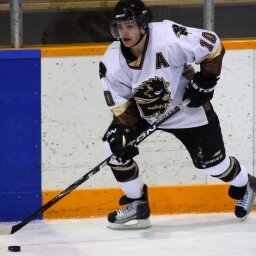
(200,90)
(118,136)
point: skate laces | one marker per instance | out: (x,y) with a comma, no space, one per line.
(245,200)
(129,209)
(249,193)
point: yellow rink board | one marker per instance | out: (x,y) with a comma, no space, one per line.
(163,199)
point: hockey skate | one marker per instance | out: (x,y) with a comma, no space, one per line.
(133,216)
(244,205)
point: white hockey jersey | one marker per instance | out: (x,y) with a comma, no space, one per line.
(157,83)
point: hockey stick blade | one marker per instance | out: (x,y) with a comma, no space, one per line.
(8,229)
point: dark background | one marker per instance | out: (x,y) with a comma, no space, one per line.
(92,26)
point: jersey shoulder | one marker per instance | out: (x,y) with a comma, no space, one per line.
(111,61)
(164,31)
(112,53)
(194,43)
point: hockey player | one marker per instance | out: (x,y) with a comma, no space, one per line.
(144,74)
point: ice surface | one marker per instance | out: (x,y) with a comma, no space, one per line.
(172,235)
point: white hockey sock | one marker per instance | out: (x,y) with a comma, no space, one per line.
(223,169)
(241,179)
(133,188)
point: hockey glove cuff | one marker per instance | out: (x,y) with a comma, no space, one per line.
(118,136)
(200,90)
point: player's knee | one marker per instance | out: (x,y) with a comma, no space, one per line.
(125,172)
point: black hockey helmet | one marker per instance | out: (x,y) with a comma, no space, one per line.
(130,10)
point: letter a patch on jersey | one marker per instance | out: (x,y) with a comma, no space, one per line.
(161,62)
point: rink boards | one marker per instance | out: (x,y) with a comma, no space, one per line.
(40,160)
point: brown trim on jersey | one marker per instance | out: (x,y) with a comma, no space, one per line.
(126,114)
(117,111)
(211,66)
(128,55)
(137,63)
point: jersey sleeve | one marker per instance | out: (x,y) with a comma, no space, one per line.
(200,46)
(117,89)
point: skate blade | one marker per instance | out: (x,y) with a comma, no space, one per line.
(133,224)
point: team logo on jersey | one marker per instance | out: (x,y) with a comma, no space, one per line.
(179,30)
(152,97)
(102,70)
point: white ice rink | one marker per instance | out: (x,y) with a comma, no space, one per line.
(172,235)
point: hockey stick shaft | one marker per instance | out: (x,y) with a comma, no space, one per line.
(7,229)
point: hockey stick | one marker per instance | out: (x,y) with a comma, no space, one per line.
(10,229)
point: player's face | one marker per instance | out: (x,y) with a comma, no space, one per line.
(129,33)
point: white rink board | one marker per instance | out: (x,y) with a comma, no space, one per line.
(74,118)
